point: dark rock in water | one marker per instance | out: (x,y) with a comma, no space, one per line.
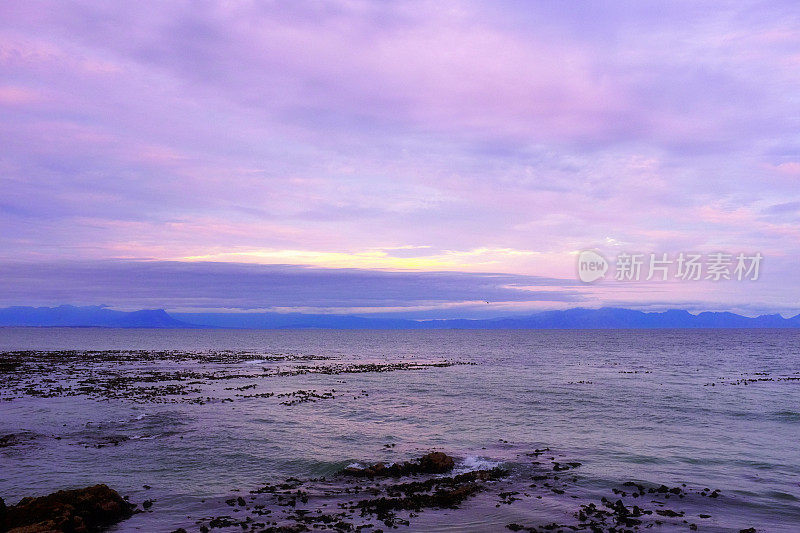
(296,528)
(436,463)
(8,440)
(9,366)
(443,498)
(432,463)
(437,492)
(75,511)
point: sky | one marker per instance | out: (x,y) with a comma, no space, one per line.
(412,158)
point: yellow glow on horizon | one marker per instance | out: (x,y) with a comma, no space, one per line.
(372,258)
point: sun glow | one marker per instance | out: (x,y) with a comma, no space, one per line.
(378,258)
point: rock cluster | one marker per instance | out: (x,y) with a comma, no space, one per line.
(358,499)
(69,511)
(432,463)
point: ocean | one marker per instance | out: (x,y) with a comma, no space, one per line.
(700,429)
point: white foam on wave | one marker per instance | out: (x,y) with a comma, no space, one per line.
(473,462)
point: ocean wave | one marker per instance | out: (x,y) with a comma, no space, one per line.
(786,416)
(474,462)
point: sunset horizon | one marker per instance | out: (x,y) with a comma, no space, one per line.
(426,266)
(419,137)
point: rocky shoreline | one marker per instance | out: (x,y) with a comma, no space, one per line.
(69,373)
(372,497)
(365,499)
(71,511)
(380,496)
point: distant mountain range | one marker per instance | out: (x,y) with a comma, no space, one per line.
(605,318)
(93,316)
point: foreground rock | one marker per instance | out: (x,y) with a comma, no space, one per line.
(72,511)
(432,463)
(437,492)
(360,499)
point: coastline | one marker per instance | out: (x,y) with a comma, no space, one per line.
(188,422)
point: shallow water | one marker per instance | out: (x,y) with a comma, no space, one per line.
(708,408)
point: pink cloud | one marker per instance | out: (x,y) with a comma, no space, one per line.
(15,96)
(177,129)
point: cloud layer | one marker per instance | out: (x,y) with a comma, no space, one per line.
(432,136)
(182,286)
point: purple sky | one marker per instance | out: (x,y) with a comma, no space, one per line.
(413,141)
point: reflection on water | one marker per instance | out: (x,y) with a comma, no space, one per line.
(199,414)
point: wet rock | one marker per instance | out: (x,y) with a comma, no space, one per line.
(295,528)
(438,492)
(436,463)
(77,511)
(225,521)
(519,527)
(557,467)
(51,374)
(16,439)
(9,366)
(442,498)
(432,463)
